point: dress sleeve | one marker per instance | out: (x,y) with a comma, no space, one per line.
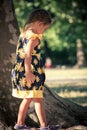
(30,35)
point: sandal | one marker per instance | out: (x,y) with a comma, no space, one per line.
(21,127)
(50,127)
(54,127)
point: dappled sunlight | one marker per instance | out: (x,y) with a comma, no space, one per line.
(66,73)
(76,96)
(75,93)
(72,94)
(69,83)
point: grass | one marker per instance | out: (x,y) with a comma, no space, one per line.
(69,83)
(69,73)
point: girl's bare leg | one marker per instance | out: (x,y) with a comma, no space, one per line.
(39,107)
(23,109)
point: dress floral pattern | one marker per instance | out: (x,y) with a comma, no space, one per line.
(20,87)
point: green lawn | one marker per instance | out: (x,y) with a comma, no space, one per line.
(69,83)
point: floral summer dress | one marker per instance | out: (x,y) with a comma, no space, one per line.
(20,88)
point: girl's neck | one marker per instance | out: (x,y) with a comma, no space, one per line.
(33,28)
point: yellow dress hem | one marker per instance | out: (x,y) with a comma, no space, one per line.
(27,93)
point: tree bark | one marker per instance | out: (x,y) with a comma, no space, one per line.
(58,110)
(9,32)
(80,55)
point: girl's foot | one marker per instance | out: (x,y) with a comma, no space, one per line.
(50,127)
(54,127)
(21,127)
(43,128)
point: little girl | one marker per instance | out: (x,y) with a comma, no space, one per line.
(28,72)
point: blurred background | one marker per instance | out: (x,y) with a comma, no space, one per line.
(64,45)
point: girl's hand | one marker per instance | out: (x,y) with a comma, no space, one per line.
(30,78)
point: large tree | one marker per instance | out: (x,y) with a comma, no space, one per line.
(58,110)
(9,32)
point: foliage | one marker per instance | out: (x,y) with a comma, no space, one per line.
(69,24)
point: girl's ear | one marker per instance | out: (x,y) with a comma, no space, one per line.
(40,23)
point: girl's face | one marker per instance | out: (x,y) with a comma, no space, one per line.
(41,28)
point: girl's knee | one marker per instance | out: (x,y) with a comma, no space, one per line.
(38,99)
(27,99)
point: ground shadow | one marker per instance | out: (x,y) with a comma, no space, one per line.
(82,100)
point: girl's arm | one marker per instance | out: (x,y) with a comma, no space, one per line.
(28,57)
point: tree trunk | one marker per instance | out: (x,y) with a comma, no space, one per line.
(80,55)
(58,110)
(8,39)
